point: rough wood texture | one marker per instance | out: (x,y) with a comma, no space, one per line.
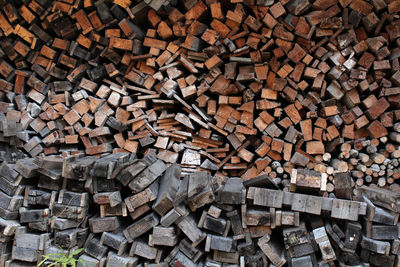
(190,133)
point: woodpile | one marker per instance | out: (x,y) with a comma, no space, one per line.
(125,210)
(185,132)
(286,81)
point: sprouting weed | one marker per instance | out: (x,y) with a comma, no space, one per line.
(62,258)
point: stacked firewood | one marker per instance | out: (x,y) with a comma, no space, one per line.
(210,85)
(130,211)
(184,132)
(369,162)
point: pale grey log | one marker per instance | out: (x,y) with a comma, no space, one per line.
(299,159)
(380,215)
(233,191)
(236,224)
(190,251)
(25,254)
(221,243)
(345,209)
(173,215)
(114,260)
(143,197)
(200,191)
(147,177)
(50,166)
(127,174)
(182,193)
(32,241)
(214,211)
(290,218)
(69,212)
(164,236)
(321,238)
(169,184)
(104,167)
(268,198)
(384,232)
(382,197)
(209,165)
(11,203)
(272,251)
(31,215)
(190,229)
(140,227)
(335,90)
(307,203)
(107,224)
(115,240)
(304,261)
(7,172)
(143,250)
(87,261)
(8,227)
(334,236)
(287,198)
(63,223)
(11,188)
(94,248)
(26,167)
(379,247)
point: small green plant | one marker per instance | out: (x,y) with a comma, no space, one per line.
(62,258)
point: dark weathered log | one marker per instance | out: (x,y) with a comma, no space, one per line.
(100,225)
(115,240)
(164,236)
(199,190)
(233,192)
(71,237)
(272,250)
(94,248)
(169,184)
(140,227)
(147,177)
(190,229)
